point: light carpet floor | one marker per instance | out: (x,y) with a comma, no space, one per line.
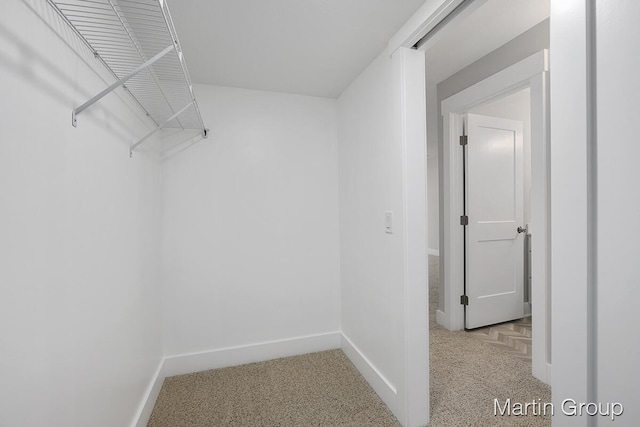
(318,389)
(467,374)
(325,389)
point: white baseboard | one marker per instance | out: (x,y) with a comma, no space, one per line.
(526,309)
(542,371)
(442,319)
(435,252)
(385,389)
(241,355)
(231,356)
(548,379)
(149,400)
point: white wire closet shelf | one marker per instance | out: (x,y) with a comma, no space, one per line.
(137,42)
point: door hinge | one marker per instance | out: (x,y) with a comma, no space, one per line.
(463,140)
(464,220)
(464,300)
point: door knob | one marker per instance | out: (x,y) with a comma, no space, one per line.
(522,230)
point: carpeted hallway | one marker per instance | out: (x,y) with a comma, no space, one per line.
(467,373)
(325,389)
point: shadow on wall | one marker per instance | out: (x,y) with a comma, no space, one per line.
(23,59)
(176,142)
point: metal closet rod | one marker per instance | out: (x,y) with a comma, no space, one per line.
(160,126)
(174,36)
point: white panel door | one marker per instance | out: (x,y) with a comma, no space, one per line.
(494,205)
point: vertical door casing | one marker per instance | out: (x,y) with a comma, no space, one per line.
(615,152)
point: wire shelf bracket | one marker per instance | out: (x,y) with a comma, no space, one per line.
(137,43)
(114,86)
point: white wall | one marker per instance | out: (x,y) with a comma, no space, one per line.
(80,321)
(250,248)
(383,276)
(370,185)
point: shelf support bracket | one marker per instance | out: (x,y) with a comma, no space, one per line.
(157,128)
(117,84)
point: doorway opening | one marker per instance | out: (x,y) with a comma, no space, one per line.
(498,234)
(530,73)
(515,90)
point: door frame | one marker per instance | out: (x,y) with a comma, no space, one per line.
(531,72)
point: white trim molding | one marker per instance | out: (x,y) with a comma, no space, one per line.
(233,356)
(141,418)
(413,116)
(387,391)
(442,319)
(572,314)
(509,80)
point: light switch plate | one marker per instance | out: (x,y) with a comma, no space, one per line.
(388,222)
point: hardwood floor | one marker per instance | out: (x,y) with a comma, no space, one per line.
(511,337)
